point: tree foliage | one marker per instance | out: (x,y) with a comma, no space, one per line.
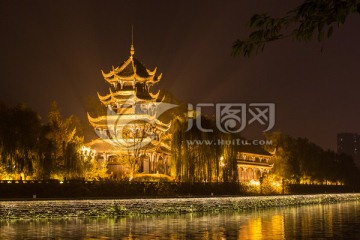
(30,148)
(300,160)
(311,18)
(19,132)
(195,156)
(60,144)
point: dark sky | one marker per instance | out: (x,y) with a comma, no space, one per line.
(54,50)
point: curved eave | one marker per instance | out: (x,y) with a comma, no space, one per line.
(154,96)
(93,121)
(115,75)
(125,117)
(154,80)
(119,96)
(151,73)
(104,98)
(116,70)
(122,94)
(158,78)
(107,75)
(118,78)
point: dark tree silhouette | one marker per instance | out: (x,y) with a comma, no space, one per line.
(311,18)
(19,131)
(299,158)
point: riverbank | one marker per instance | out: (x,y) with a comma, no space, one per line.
(129,207)
(125,189)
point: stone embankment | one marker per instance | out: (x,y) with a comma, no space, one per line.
(127,207)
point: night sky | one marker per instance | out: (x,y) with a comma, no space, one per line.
(54,50)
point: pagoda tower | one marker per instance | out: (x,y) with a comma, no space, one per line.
(131,128)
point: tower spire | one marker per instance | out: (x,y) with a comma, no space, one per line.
(132,50)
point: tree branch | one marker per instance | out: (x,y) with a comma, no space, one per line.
(310,18)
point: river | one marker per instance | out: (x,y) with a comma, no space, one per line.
(319,221)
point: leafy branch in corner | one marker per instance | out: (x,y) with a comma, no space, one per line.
(311,18)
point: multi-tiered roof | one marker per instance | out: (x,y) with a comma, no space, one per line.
(132,108)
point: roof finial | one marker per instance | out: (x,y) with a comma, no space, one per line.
(132,50)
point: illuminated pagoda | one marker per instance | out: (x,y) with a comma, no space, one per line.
(132,138)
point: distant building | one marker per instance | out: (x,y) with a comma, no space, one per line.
(349,143)
(253,162)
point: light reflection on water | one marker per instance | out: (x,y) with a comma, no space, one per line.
(316,221)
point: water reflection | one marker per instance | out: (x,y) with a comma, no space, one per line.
(315,221)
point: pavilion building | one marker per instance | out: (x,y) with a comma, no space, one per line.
(253,162)
(132,138)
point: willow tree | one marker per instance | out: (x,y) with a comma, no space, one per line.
(195,154)
(177,147)
(309,19)
(19,132)
(229,158)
